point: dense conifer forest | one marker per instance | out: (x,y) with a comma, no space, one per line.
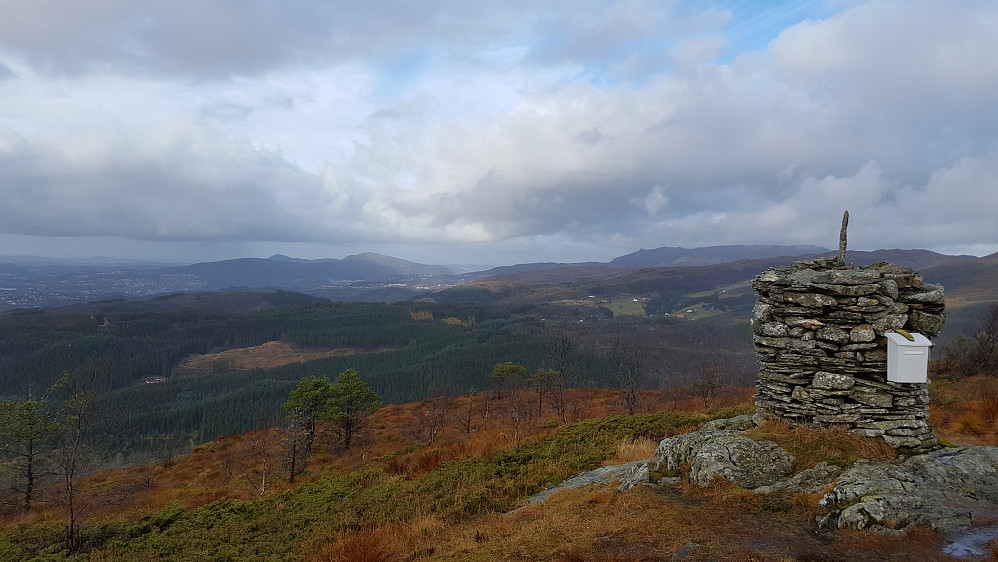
(403,350)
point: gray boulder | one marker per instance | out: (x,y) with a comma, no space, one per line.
(946,490)
(724,453)
(743,461)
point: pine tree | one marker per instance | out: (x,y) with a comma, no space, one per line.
(351,402)
(304,411)
(25,427)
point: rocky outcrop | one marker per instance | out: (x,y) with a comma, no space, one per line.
(602,475)
(948,490)
(718,450)
(724,454)
(808,481)
(819,335)
(953,490)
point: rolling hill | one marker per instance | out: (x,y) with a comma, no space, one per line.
(677,257)
(290,273)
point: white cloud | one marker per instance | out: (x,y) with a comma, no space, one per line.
(506,124)
(653,202)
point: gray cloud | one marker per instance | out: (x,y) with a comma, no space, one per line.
(203,39)
(499,124)
(192,186)
(212,40)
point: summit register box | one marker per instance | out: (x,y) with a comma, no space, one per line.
(907,360)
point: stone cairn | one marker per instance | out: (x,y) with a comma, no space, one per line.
(819,334)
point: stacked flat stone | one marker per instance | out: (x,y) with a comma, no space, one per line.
(819,332)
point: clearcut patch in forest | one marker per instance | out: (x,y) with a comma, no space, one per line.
(264,356)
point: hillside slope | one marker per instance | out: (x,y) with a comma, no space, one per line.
(398,497)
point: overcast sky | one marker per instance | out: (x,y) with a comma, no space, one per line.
(494,131)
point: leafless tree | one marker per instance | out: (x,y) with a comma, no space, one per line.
(672,394)
(628,361)
(706,385)
(977,352)
(466,414)
(547,382)
(229,465)
(517,413)
(264,447)
(165,448)
(578,409)
(564,360)
(432,415)
(85,425)
(485,408)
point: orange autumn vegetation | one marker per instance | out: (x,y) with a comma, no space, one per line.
(589,523)
(965,410)
(232,467)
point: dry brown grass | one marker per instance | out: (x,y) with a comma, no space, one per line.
(365,545)
(810,446)
(635,449)
(410,540)
(965,410)
(264,356)
(602,524)
(970,423)
(218,469)
(426,461)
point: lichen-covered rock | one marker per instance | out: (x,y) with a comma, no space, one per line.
(726,454)
(772,329)
(931,293)
(737,423)
(740,460)
(945,490)
(813,300)
(925,322)
(832,381)
(762,312)
(808,481)
(634,476)
(862,334)
(834,334)
(602,475)
(889,323)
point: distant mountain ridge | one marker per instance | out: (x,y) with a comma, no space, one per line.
(33,282)
(674,256)
(285,272)
(669,256)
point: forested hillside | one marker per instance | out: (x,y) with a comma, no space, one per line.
(404,351)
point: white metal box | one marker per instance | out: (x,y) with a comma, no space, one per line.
(907,360)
